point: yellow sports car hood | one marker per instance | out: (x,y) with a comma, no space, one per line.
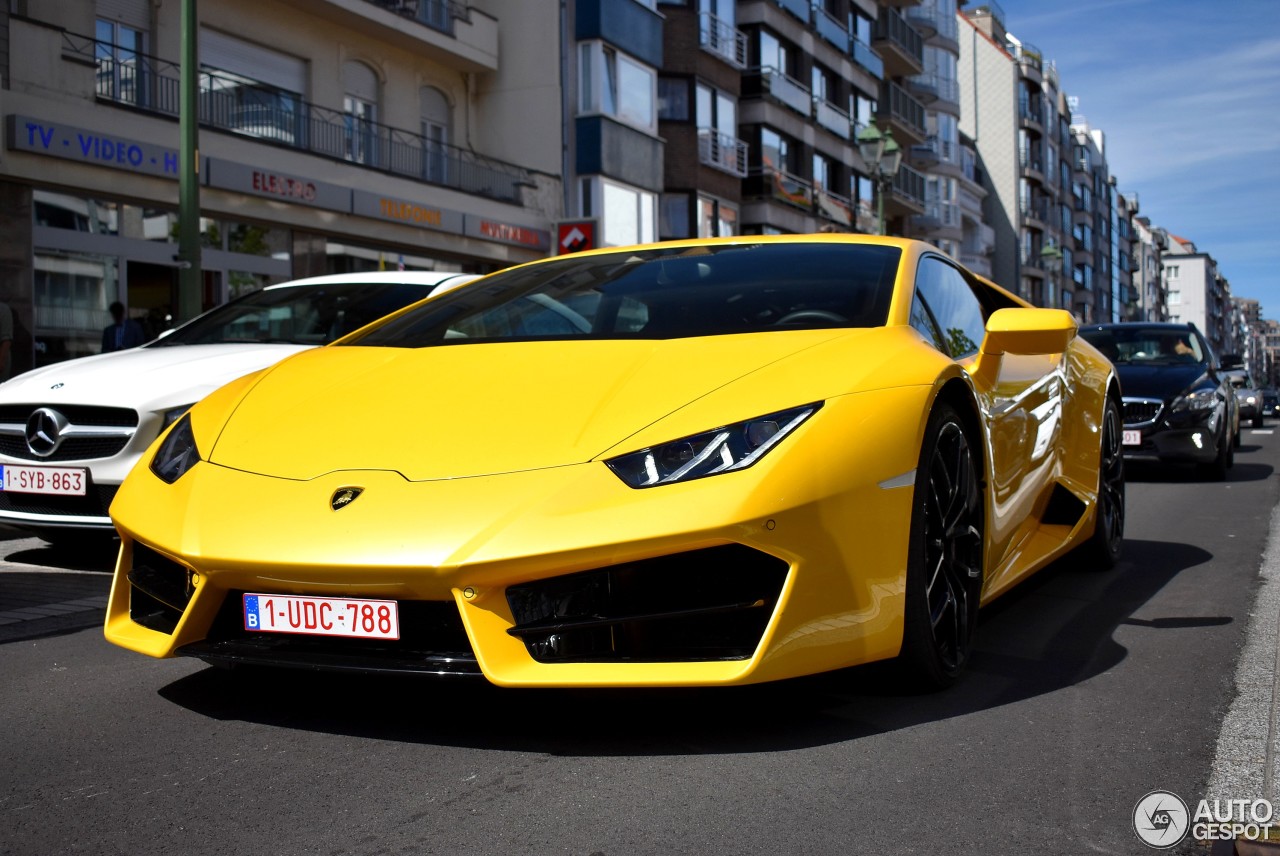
(478,409)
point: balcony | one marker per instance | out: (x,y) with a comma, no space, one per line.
(722,39)
(834,207)
(934,26)
(1030,61)
(1031,160)
(722,152)
(866,58)
(799,8)
(833,119)
(1039,208)
(1031,110)
(938,216)
(925,155)
(932,89)
(908,189)
(898,44)
(781,186)
(788,90)
(830,29)
(238,105)
(447,31)
(902,112)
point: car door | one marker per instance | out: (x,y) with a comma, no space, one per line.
(1022,409)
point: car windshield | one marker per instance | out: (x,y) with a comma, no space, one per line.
(296,314)
(1149,345)
(660,293)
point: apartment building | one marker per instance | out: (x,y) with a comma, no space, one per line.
(1250,342)
(1013,110)
(940,158)
(977,238)
(1270,335)
(336,135)
(1148,272)
(1197,292)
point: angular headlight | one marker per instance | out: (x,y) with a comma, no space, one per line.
(1202,399)
(724,450)
(177,452)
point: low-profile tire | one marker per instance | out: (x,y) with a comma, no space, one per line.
(1105,545)
(945,557)
(1216,470)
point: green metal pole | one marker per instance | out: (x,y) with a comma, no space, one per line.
(190,282)
(882,186)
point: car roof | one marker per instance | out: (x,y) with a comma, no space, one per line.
(406,277)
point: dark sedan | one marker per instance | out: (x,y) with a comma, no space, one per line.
(1179,405)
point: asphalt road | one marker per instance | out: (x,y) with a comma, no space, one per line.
(1088,691)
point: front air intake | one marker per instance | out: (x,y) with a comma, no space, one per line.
(702,605)
(159,590)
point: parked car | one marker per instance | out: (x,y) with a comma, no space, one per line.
(1248,395)
(1270,402)
(71,431)
(1179,403)
(717,461)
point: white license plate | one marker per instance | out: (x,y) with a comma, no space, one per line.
(1132,438)
(53,481)
(321,616)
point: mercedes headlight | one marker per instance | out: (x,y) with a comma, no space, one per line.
(1202,399)
(1251,400)
(172,415)
(724,450)
(177,452)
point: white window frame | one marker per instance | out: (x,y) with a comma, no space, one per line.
(592,189)
(593,60)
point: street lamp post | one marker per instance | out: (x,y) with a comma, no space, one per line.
(882,156)
(1051,261)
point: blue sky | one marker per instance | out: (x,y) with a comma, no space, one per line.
(1188,94)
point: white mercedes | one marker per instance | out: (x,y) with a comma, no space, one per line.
(70,432)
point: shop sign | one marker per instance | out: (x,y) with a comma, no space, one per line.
(272,184)
(508,233)
(26,134)
(396,209)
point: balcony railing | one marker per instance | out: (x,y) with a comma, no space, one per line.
(931,87)
(1039,208)
(909,185)
(833,118)
(929,21)
(1029,55)
(799,8)
(895,103)
(239,105)
(721,38)
(786,89)
(722,151)
(834,207)
(894,29)
(436,14)
(830,29)
(1029,159)
(782,186)
(864,56)
(1032,110)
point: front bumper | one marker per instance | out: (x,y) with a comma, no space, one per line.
(827,544)
(1196,443)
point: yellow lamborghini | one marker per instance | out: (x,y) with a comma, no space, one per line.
(694,463)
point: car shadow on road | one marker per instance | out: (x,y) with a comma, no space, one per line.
(1052,632)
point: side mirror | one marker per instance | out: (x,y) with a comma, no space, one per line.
(1231,361)
(1028,331)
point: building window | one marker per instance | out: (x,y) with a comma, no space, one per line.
(1171,272)
(615,85)
(778,152)
(717,110)
(673,99)
(1175,297)
(119,65)
(435,134)
(628,215)
(716,218)
(360,104)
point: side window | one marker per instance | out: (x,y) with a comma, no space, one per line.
(953,304)
(923,322)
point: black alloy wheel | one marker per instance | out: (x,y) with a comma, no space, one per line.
(945,557)
(1104,546)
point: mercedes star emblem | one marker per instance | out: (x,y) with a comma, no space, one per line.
(44,431)
(344,496)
